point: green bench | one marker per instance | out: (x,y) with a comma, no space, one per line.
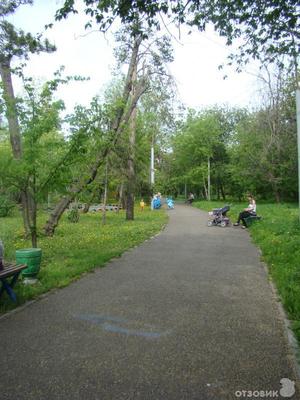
(252,218)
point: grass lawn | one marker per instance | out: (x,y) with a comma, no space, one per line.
(278,236)
(76,248)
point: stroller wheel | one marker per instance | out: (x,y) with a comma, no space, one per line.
(209,223)
(223,224)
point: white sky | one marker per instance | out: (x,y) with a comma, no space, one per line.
(195,68)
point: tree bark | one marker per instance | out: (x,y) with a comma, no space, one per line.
(121,202)
(205,189)
(105,194)
(11,112)
(86,208)
(33,220)
(56,214)
(223,191)
(130,162)
(14,133)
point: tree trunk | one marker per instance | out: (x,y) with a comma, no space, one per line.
(121,201)
(86,208)
(205,189)
(276,193)
(25,212)
(208,180)
(30,214)
(118,127)
(130,162)
(222,191)
(56,214)
(105,194)
(33,225)
(11,112)
(14,130)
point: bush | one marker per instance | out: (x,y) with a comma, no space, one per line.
(73,215)
(6,206)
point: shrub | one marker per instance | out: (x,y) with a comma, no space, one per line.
(73,215)
(6,205)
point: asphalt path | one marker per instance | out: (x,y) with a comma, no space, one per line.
(187,315)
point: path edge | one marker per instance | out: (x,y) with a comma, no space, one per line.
(97,268)
(292,342)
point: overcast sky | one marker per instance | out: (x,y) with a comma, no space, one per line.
(195,69)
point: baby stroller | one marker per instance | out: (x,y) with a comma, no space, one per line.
(218,217)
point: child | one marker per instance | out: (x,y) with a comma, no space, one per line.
(142,204)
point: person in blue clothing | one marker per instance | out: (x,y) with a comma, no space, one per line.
(156,201)
(170,203)
(247,212)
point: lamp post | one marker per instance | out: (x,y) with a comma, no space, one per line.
(208,178)
(152,177)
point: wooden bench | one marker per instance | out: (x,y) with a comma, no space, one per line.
(251,219)
(8,277)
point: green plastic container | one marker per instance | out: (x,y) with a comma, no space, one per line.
(32,258)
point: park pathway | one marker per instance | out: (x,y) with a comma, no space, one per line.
(188,315)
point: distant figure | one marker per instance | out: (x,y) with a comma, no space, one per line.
(142,204)
(247,212)
(170,203)
(156,202)
(191,198)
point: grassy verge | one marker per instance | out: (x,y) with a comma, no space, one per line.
(278,236)
(76,248)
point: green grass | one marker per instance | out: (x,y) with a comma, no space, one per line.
(278,236)
(76,248)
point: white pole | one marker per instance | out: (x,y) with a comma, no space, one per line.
(152,166)
(208,179)
(298,140)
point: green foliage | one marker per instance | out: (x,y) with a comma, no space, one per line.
(6,205)
(248,151)
(264,155)
(204,135)
(48,158)
(16,43)
(9,6)
(268,28)
(77,248)
(73,215)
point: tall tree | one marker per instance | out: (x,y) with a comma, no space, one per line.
(267,140)
(16,44)
(155,52)
(130,189)
(121,115)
